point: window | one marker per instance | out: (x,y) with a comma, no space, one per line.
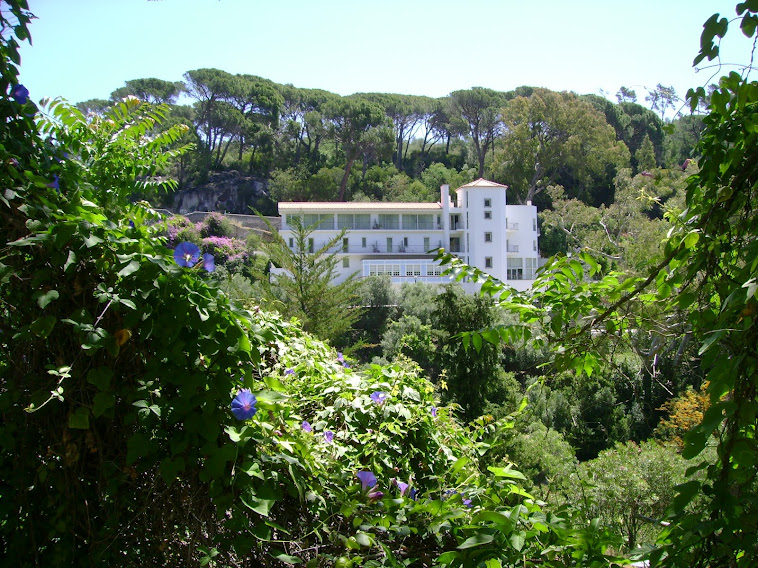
(292,242)
(487,262)
(344,244)
(363,242)
(488,214)
(433,270)
(310,245)
(534,224)
(426,244)
(487,237)
(387,221)
(345,262)
(488,202)
(531,268)
(353,221)
(413,270)
(318,221)
(534,245)
(389,244)
(515,269)
(414,222)
(379,269)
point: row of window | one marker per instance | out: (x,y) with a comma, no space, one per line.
(400,270)
(362,221)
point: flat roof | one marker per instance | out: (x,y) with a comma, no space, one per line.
(355,206)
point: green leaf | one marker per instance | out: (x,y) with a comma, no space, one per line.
(43,326)
(484,536)
(260,501)
(102,402)
(518,540)
(286,558)
(92,241)
(130,268)
(274,384)
(506,472)
(100,377)
(79,419)
(44,299)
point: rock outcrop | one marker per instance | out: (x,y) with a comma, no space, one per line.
(226,192)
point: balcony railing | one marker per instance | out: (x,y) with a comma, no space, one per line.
(512,248)
(377,248)
(511,226)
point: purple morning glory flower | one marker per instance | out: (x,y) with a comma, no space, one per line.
(307,426)
(340,358)
(403,487)
(55,184)
(186,254)
(378,397)
(289,371)
(375,495)
(243,405)
(208,262)
(20,94)
(413,495)
(467,502)
(434,412)
(131,224)
(367,479)
(329,436)
(346,364)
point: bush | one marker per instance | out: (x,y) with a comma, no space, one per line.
(215,225)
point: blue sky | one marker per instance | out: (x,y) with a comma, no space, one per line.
(85,49)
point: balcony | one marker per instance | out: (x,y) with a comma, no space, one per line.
(511,226)
(512,248)
(377,248)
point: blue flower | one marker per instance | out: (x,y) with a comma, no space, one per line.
(20,94)
(403,487)
(186,254)
(307,426)
(378,397)
(243,405)
(367,479)
(208,262)
(329,436)
(467,502)
(289,371)
(55,184)
(340,358)
(434,412)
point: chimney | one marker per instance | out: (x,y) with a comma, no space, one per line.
(445,195)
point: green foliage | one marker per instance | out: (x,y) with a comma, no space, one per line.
(215,225)
(703,288)
(118,369)
(629,488)
(304,287)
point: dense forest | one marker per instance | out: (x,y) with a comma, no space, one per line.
(165,400)
(313,145)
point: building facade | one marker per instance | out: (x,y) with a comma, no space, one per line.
(400,239)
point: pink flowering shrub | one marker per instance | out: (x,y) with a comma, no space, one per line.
(225,250)
(180,229)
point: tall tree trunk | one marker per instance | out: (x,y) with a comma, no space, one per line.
(343,184)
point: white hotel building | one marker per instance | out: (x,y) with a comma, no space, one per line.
(475,223)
